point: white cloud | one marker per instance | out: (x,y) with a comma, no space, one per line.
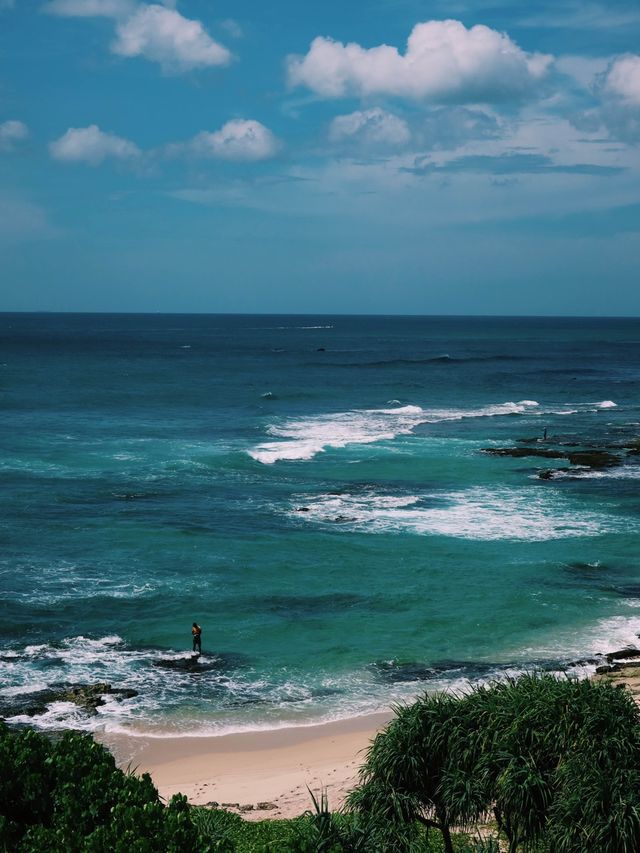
(374,127)
(89,8)
(92,145)
(618,90)
(239,139)
(11,132)
(444,61)
(163,35)
(157,32)
(622,80)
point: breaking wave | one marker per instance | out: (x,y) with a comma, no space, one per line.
(529,514)
(303,438)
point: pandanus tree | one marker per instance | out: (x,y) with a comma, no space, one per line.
(556,760)
(417,772)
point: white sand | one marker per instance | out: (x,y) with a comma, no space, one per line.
(255,767)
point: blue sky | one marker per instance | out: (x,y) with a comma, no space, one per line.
(387,156)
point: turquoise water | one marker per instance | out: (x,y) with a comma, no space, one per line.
(313,491)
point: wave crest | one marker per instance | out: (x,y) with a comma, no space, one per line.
(306,437)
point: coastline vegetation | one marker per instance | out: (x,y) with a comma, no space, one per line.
(537,764)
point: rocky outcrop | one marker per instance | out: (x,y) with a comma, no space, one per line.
(586,458)
(89,697)
(193,663)
(522,452)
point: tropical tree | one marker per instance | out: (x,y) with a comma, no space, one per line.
(556,759)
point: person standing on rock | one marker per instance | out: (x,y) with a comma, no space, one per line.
(196,632)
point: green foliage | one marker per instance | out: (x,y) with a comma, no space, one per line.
(556,760)
(69,796)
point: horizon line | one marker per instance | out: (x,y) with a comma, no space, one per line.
(322,314)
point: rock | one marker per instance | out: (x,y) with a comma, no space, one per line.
(520,452)
(594,459)
(230,805)
(247,807)
(264,807)
(601,670)
(86,696)
(627,653)
(590,458)
(212,804)
(546,474)
(303,509)
(193,663)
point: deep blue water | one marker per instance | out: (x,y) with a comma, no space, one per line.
(313,491)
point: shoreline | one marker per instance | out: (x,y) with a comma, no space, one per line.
(269,773)
(272,767)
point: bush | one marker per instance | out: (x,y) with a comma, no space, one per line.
(70,796)
(557,761)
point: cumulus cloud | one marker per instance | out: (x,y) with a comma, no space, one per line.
(443,61)
(11,133)
(374,127)
(239,139)
(622,80)
(89,8)
(618,89)
(92,145)
(157,32)
(163,35)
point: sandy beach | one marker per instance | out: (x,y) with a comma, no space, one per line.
(266,774)
(241,771)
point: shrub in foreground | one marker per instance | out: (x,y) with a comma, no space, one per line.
(70,796)
(555,761)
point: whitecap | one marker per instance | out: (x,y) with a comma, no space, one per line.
(477,513)
(606,404)
(304,438)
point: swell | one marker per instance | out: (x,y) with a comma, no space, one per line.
(436,359)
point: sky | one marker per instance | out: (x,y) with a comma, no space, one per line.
(376,156)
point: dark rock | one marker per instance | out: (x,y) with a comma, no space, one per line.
(247,807)
(321,349)
(546,474)
(602,670)
(230,805)
(212,804)
(30,704)
(590,458)
(521,452)
(193,663)
(627,653)
(303,509)
(263,807)
(583,662)
(89,697)
(594,459)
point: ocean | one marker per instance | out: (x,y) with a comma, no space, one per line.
(315,492)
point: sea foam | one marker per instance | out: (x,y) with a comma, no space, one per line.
(477,513)
(304,438)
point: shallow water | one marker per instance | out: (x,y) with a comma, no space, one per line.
(313,491)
